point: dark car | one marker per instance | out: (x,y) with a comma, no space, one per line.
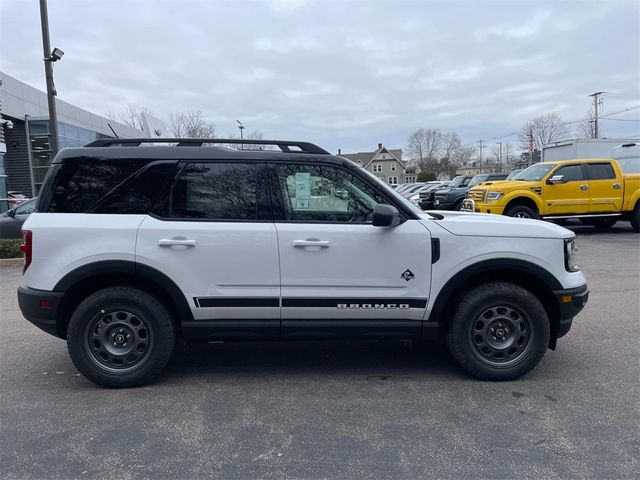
(11,221)
(426,195)
(451,198)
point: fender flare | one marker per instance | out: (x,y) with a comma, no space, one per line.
(523,194)
(486,266)
(129,268)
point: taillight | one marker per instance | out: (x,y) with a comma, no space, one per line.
(26,248)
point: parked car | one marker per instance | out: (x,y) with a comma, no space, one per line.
(415,197)
(451,198)
(412,189)
(426,195)
(11,221)
(210,244)
(596,191)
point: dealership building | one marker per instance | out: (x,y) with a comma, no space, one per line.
(25,147)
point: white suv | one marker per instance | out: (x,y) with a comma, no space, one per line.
(134,245)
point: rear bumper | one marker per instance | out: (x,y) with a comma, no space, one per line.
(40,307)
(570,303)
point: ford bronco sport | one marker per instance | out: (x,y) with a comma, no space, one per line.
(133,246)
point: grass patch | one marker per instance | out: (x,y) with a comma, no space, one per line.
(10,248)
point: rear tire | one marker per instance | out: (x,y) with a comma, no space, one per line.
(498,331)
(601,223)
(521,211)
(635,218)
(121,337)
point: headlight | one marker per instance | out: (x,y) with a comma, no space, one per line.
(569,255)
(494,195)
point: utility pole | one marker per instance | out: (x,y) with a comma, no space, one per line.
(530,162)
(481,142)
(596,102)
(500,158)
(48,70)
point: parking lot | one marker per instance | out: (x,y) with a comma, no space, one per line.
(347,410)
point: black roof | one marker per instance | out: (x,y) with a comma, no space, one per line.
(190,149)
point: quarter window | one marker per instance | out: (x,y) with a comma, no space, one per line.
(314,193)
(216,191)
(572,173)
(600,171)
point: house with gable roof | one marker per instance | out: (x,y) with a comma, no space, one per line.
(384,163)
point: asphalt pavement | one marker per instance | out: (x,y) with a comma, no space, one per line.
(339,409)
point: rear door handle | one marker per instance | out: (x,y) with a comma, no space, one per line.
(584,187)
(311,243)
(616,186)
(170,242)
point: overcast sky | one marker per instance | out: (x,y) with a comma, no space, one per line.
(343,74)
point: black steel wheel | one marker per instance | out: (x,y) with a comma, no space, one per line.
(498,331)
(500,335)
(121,337)
(118,341)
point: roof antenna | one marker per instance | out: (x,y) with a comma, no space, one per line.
(111,128)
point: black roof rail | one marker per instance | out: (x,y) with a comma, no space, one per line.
(299,147)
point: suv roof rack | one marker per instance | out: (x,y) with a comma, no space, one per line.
(300,147)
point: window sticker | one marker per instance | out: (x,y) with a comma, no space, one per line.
(303,190)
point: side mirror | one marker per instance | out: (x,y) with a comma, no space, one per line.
(556,179)
(385,216)
(11,213)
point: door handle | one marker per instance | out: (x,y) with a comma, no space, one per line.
(170,242)
(584,187)
(616,186)
(311,243)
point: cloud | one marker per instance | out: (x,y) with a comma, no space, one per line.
(342,74)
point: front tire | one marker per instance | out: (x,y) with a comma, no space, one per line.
(121,337)
(499,331)
(521,211)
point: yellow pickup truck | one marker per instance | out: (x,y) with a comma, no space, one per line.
(596,191)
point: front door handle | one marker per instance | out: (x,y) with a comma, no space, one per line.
(170,242)
(616,186)
(311,243)
(584,187)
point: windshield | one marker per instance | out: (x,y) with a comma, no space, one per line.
(534,173)
(412,189)
(391,191)
(459,182)
(478,179)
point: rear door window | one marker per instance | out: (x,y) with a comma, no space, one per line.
(600,171)
(216,191)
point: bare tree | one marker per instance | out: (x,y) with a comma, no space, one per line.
(587,127)
(131,116)
(190,124)
(425,145)
(451,144)
(542,130)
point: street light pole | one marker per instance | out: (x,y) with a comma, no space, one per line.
(500,157)
(241,127)
(48,69)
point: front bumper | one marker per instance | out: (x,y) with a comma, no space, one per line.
(570,303)
(41,307)
(469,205)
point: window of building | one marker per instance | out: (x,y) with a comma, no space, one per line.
(393,167)
(315,193)
(216,191)
(377,167)
(393,180)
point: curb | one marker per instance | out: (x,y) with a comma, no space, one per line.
(11,262)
